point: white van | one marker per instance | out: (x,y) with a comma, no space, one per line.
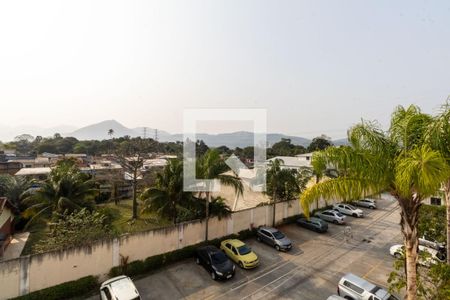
(119,288)
(355,288)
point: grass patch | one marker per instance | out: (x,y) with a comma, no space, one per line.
(121,218)
(119,215)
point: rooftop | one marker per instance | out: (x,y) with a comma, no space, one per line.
(33,171)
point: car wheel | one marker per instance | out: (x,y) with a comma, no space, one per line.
(213,275)
(355,215)
(372,207)
(335,221)
(258,239)
(277,248)
(197,261)
(241,264)
(397,255)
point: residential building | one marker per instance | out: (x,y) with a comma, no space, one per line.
(35,173)
(293,162)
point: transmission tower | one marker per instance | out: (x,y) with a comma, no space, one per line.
(145,132)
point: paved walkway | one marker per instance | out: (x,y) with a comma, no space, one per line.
(14,249)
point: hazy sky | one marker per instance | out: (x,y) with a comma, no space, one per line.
(317,66)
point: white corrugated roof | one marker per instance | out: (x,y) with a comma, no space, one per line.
(33,171)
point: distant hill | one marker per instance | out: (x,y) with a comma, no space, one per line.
(340,142)
(241,139)
(99,131)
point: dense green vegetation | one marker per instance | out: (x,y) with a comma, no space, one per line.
(432,223)
(29,145)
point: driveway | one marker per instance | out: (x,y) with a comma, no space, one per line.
(310,270)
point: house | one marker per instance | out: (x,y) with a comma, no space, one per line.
(6,223)
(32,162)
(293,162)
(34,173)
(9,167)
(154,163)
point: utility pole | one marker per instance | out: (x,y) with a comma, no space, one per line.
(156,134)
(145,132)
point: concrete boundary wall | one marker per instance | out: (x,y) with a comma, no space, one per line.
(34,272)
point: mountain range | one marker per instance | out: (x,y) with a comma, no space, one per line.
(99,131)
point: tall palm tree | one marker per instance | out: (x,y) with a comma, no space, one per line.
(65,189)
(398,161)
(282,184)
(168,194)
(438,136)
(211,166)
(110,132)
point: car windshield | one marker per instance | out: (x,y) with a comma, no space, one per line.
(278,235)
(244,250)
(351,206)
(339,214)
(218,258)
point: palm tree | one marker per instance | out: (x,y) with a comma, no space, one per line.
(438,136)
(14,188)
(168,193)
(110,132)
(211,166)
(398,161)
(66,189)
(282,184)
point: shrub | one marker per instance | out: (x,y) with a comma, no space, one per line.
(65,290)
(79,228)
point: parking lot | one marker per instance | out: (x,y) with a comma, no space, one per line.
(310,270)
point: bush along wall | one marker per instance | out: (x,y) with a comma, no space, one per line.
(156,262)
(65,290)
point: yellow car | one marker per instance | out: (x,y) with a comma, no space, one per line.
(240,253)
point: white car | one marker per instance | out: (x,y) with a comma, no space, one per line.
(431,255)
(368,203)
(119,288)
(348,209)
(354,287)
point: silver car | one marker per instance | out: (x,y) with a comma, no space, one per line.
(332,216)
(274,238)
(369,203)
(348,209)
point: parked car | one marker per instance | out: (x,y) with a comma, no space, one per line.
(428,242)
(215,262)
(427,256)
(368,203)
(119,288)
(348,209)
(354,287)
(240,253)
(274,238)
(313,223)
(330,215)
